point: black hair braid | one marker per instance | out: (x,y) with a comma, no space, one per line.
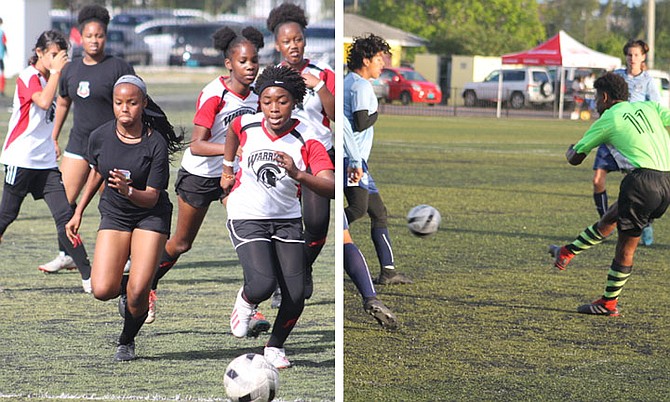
(155,118)
(93,12)
(286,12)
(365,48)
(225,39)
(254,36)
(291,79)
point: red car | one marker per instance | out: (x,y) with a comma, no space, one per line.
(407,86)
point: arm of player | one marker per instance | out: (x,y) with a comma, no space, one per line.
(146,198)
(230,150)
(363,120)
(200,144)
(351,151)
(574,158)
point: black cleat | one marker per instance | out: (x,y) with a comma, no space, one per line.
(381,313)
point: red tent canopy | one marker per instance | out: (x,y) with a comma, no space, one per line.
(563,50)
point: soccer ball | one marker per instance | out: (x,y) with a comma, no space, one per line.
(423,220)
(251,378)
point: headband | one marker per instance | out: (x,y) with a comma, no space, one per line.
(276,83)
(133,80)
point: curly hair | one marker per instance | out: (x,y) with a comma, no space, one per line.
(93,12)
(225,39)
(365,48)
(614,85)
(282,76)
(46,39)
(284,13)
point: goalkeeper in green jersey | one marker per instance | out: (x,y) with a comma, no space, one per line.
(637,132)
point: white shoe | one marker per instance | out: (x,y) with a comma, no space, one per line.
(276,357)
(126,268)
(61,261)
(241,315)
(86,284)
(151,314)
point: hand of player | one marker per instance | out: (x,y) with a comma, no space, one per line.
(57,147)
(227,182)
(72,229)
(310,79)
(354,175)
(118,181)
(59,61)
(285,161)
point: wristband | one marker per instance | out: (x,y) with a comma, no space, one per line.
(54,71)
(229,163)
(130,192)
(318,86)
(227,176)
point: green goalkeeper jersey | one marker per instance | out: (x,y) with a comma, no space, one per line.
(636,130)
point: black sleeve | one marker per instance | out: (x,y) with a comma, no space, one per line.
(362,120)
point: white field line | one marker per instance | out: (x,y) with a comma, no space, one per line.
(95,397)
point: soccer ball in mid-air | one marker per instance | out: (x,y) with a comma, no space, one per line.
(251,377)
(423,220)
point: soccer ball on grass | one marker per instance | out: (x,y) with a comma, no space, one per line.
(423,220)
(251,377)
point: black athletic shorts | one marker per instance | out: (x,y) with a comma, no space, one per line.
(644,195)
(77,143)
(153,223)
(197,191)
(285,230)
(21,181)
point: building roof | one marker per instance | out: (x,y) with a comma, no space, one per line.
(355,25)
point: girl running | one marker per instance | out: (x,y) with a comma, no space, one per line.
(131,155)
(223,99)
(264,217)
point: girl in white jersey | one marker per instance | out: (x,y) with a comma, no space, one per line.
(288,23)
(29,154)
(264,214)
(197,185)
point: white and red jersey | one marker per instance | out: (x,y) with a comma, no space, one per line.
(262,189)
(311,109)
(28,143)
(216,108)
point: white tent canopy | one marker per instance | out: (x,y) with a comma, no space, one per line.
(564,51)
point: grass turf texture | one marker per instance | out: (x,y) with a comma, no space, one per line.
(57,341)
(488,317)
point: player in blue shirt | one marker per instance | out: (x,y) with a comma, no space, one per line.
(366,61)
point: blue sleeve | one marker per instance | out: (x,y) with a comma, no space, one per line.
(351,150)
(363,97)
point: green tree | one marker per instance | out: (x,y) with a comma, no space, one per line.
(485,27)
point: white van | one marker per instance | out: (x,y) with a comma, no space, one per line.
(662,78)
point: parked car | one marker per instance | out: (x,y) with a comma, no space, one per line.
(662,79)
(125,44)
(407,86)
(520,87)
(193,45)
(320,42)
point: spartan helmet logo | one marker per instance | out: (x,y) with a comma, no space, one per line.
(265,167)
(269,174)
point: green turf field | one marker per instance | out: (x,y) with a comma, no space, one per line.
(57,342)
(489,318)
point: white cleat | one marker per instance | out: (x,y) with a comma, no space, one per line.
(61,261)
(86,284)
(241,315)
(276,357)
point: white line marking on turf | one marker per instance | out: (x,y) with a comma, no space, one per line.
(111,397)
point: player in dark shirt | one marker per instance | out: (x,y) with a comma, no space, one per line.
(131,156)
(85,83)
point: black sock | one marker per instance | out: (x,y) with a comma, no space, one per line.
(131,326)
(78,254)
(166,263)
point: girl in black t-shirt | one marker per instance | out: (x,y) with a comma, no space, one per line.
(85,83)
(131,155)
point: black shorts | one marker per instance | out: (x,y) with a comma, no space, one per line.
(21,181)
(285,230)
(197,191)
(153,223)
(644,195)
(77,143)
